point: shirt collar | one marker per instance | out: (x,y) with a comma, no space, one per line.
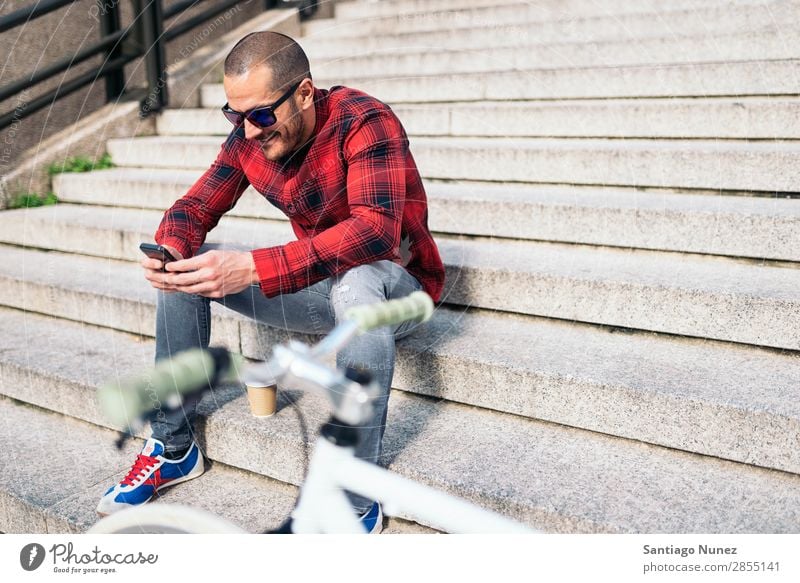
(320,109)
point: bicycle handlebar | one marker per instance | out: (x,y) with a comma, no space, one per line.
(135,396)
(415,307)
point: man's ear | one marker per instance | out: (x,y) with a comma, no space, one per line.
(306,93)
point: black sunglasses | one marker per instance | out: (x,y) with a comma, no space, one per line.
(261,117)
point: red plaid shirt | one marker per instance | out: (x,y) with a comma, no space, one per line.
(353,196)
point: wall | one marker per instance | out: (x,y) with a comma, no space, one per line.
(66,31)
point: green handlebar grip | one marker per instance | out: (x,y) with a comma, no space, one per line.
(129,398)
(417,307)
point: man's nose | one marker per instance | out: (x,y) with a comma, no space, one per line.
(251,131)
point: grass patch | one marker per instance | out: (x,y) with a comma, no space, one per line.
(31,199)
(80,164)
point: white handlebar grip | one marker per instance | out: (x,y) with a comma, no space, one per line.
(124,400)
(417,307)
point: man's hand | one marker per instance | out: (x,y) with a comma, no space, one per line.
(213,274)
(153,270)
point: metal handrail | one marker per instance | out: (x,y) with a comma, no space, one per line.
(61,66)
(179,7)
(178,30)
(145,37)
(28,13)
(62,90)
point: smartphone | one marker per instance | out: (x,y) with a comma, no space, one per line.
(157,252)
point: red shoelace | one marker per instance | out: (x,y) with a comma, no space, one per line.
(141,466)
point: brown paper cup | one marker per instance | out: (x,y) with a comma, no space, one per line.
(263,400)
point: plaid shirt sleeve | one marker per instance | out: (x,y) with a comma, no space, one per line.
(375,151)
(186,224)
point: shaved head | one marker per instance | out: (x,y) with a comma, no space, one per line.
(281,54)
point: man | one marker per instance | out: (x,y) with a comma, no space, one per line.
(337,163)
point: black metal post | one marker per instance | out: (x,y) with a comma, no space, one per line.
(109,24)
(151,21)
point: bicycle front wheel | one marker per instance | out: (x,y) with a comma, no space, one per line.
(164,519)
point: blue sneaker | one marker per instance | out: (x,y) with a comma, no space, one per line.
(150,473)
(372,519)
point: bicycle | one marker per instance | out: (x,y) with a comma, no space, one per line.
(322,505)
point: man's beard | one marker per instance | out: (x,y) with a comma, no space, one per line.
(281,147)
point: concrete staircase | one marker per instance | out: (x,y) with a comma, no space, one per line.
(612,187)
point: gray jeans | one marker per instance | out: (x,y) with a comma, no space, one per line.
(184,321)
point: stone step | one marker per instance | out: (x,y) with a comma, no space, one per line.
(84,458)
(764,44)
(736,78)
(767,166)
(742,118)
(147,188)
(508,25)
(117,232)
(622,21)
(376,9)
(757,227)
(549,476)
(357,10)
(708,397)
(735,392)
(34,503)
(689,295)
(714,165)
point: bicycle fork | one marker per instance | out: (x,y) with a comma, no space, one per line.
(323,506)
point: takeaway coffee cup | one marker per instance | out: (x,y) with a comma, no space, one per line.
(263,399)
